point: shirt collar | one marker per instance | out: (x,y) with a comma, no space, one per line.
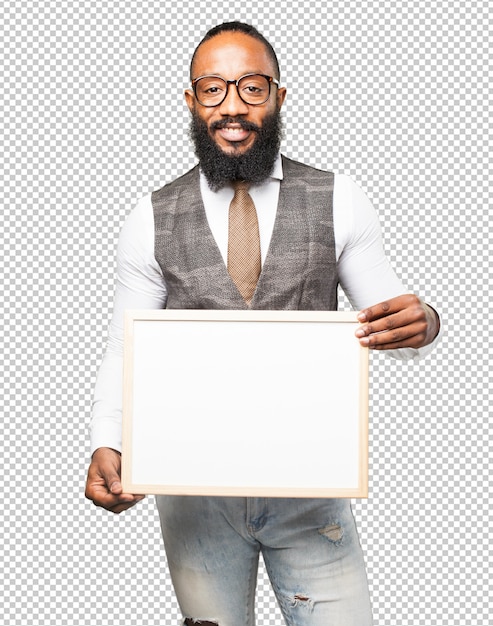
(277,171)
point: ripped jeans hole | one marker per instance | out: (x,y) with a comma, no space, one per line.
(333,532)
(302,601)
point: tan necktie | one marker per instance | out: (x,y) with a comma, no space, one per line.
(244,262)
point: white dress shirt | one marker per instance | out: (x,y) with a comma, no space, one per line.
(364,273)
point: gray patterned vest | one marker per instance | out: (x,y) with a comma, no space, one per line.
(300,269)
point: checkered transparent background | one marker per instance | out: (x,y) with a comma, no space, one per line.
(394,94)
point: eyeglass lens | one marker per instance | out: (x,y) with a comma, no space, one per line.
(212,90)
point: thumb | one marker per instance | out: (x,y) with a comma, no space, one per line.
(112,480)
(114,484)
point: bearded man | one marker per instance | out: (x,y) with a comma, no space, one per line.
(312,230)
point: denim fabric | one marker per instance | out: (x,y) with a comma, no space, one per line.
(310,548)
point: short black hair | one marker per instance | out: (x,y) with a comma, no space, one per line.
(238,27)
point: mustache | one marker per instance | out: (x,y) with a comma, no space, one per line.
(235,120)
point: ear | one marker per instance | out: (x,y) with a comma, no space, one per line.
(190,99)
(281,96)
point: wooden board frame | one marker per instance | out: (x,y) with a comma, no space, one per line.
(192,427)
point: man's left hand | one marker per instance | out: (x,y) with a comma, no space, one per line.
(402,322)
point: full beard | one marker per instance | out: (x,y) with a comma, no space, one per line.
(253,166)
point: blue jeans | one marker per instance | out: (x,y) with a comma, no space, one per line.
(310,548)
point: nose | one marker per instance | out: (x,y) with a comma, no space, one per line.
(233,105)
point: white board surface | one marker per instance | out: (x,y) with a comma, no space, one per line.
(256,403)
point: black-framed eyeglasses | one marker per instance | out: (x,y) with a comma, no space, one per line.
(253,89)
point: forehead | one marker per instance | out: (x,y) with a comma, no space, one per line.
(232,54)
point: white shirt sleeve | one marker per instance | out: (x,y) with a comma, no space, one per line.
(364,270)
(139,285)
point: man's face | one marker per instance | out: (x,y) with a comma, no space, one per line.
(231,55)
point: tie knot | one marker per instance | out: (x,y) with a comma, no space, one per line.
(241,185)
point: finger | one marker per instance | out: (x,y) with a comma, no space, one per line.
(116,504)
(112,481)
(97,491)
(107,477)
(388,307)
(394,322)
(383,324)
(114,486)
(410,336)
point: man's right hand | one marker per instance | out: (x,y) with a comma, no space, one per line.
(103,484)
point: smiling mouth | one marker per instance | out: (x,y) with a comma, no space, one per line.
(233,133)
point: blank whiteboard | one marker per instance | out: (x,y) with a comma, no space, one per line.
(245,403)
